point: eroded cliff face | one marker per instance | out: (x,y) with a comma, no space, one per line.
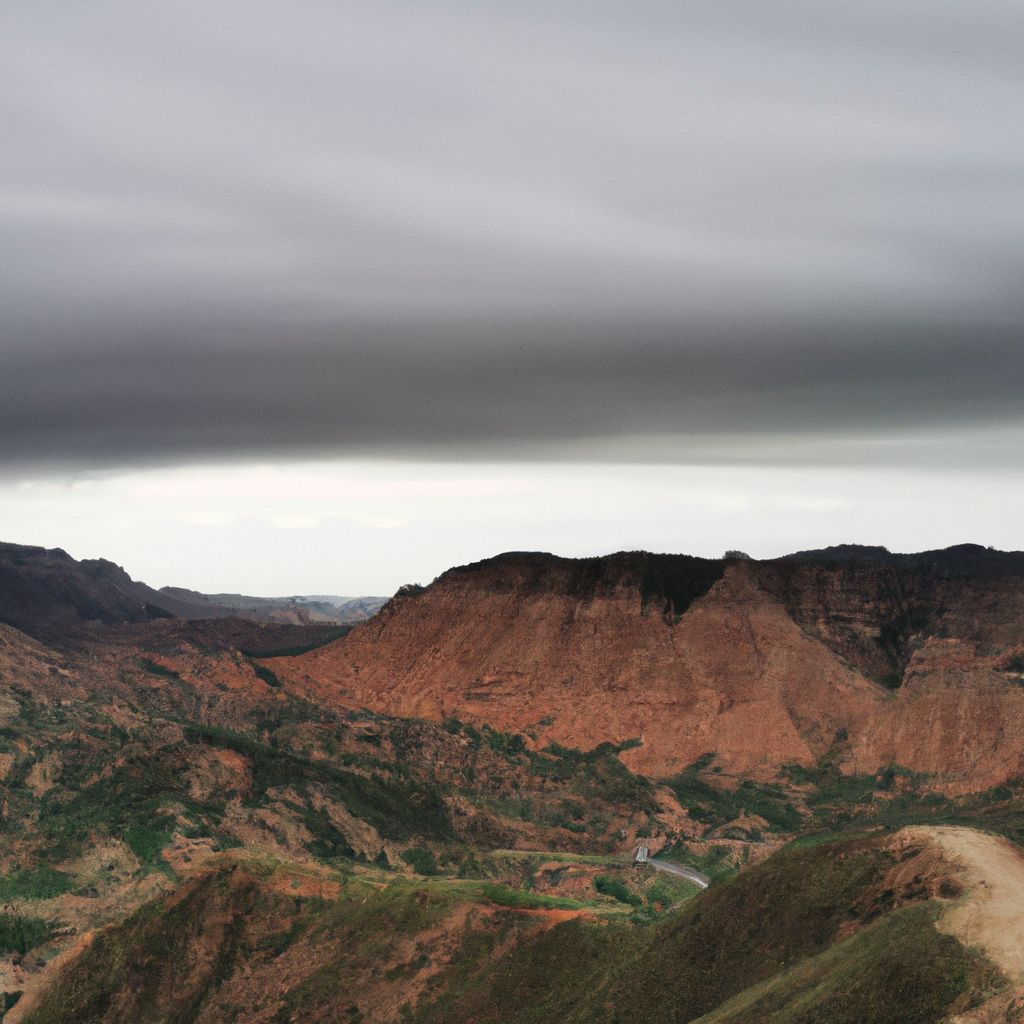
(875,612)
(764,664)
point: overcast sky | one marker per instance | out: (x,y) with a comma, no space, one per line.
(550,275)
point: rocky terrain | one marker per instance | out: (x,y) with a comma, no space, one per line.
(908,660)
(223,819)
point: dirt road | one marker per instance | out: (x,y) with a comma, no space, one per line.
(991,914)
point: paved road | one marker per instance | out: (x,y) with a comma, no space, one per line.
(680,871)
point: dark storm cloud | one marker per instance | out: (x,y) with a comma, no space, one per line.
(536,391)
(295,228)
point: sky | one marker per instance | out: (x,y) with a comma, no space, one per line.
(326,297)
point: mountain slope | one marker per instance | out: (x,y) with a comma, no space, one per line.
(50,595)
(830,933)
(762,663)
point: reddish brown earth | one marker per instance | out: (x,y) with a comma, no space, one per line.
(907,660)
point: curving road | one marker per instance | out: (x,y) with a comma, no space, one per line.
(680,871)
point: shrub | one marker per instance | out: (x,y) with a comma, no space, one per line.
(615,888)
(146,842)
(420,860)
(264,673)
(154,668)
(20,934)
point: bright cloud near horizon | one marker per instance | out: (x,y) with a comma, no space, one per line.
(327,297)
(368,527)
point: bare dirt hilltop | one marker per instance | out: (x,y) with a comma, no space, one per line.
(991,915)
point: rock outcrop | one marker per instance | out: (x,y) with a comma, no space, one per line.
(878,658)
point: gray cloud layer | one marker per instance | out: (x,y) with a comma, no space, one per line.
(307,227)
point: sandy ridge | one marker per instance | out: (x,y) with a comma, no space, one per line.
(991,914)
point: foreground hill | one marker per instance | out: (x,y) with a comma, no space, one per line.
(913,660)
(847,932)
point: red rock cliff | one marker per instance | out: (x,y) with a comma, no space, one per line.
(764,663)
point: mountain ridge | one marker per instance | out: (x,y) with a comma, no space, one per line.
(50,595)
(765,663)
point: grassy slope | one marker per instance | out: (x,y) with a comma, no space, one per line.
(159,964)
(899,970)
(731,937)
(761,947)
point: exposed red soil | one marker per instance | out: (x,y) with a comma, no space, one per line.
(518,648)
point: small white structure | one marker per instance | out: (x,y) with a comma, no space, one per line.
(642,850)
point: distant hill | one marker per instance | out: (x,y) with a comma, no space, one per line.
(297,609)
(48,594)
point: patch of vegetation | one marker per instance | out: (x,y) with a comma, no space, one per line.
(264,673)
(616,888)
(154,668)
(713,806)
(595,774)
(525,899)
(399,810)
(893,796)
(833,793)
(715,863)
(899,970)
(328,843)
(1014,663)
(294,650)
(823,838)
(408,969)
(147,842)
(471,867)
(999,810)
(20,934)
(542,981)
(509,744)
(41,883)
(133,795)
(374,927)
(668,890)
(421,860)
